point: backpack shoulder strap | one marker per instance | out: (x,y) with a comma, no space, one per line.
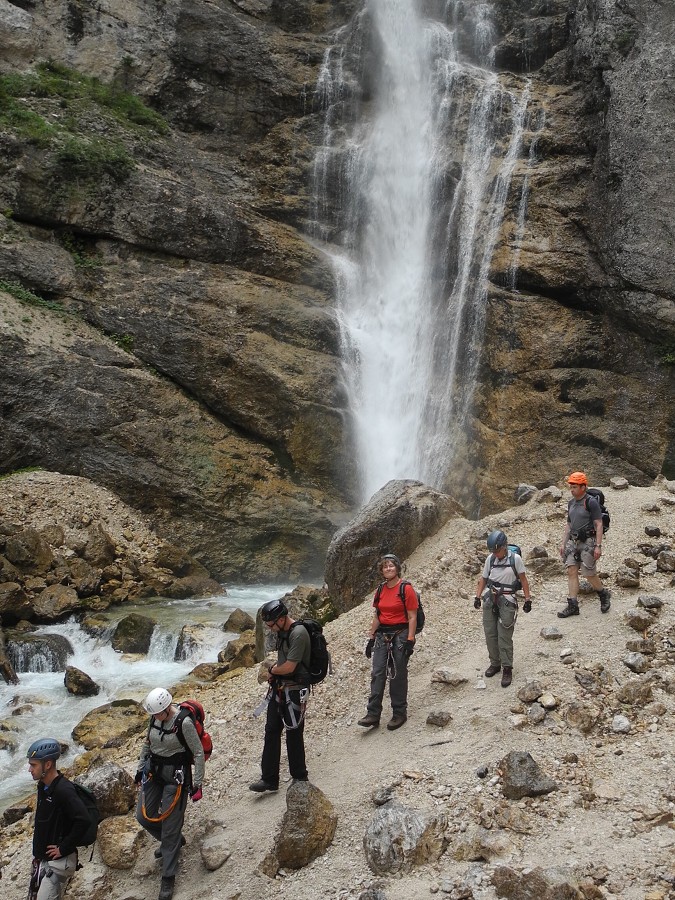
(378,594)
(401,592)
(512,560)
(183,714)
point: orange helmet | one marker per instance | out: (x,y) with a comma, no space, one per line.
(577,478)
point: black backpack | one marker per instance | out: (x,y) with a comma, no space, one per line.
(319,659)
(600,497)
(91,806)
(421,618)
(512,548)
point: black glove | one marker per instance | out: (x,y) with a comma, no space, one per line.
(138,777)
(369,648)
(408,649)
(527,606)
(476,603)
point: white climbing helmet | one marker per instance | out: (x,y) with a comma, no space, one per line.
(157,701)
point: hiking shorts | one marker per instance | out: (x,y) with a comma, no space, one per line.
(580,553)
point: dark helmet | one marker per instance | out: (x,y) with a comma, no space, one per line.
(496,539)
(273,610)
(396,561)
(45,748)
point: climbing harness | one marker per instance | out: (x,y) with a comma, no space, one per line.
(508,599)
(179,778)
(292,713)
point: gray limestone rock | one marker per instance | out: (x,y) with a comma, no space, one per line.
(133,634)
(112,786)
(650,602)
(440,717)
(636,662)
(399,838)
(530,692)
(214,849)
(522,777)
(551,633)
(536,884)
(307,827)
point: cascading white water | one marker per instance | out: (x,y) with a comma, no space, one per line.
(420,184)
(45,707)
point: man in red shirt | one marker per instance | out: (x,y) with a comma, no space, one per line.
(391,641)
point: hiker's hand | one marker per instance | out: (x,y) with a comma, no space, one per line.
(597,552)
(369,648)
(562,551)
(197,793)
(408,649)
(476,603)
(527,606)
(53,851)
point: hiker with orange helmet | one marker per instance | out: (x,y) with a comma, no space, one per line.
(581,545)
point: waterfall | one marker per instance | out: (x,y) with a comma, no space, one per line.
(421,139)
(538,127)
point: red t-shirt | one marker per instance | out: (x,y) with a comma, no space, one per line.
(390,608)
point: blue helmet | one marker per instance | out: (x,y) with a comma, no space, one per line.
(496,539)
(44,748)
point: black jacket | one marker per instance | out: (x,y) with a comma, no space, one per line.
(61,818)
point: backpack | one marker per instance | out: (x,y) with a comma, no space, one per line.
(91,806)
(195,711)
(319,658)
(512,549)
(600,497)
(421,618)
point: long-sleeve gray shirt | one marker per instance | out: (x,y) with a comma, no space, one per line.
(163,741)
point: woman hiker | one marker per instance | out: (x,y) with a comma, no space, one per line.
(165,776)
(391,642)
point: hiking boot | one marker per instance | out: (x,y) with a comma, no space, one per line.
(605,598)
(507,675)
(158,851)
(572,609)
(396,722)
(259,787)
(492,670)
(166,889)
(369,721)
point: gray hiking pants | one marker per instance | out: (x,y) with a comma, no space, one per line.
(56,873)
(158,797)
(398,684)
(499,616)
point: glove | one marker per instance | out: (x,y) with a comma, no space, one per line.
(408,649)
(476,603)
(138,777)
(196,793)
(369,648)
(527,606)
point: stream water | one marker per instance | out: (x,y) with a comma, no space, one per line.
(40,706)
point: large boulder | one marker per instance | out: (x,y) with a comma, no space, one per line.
(399,838)
(119,840)
(29,552)
(191,640)
(38,652)
(192,586)
(396,520)
(99,549)
(55,601)
(178,561)
(133,634)
(239,621)
(112,786)
(79,683)
(241,652)
(110,725)
(307,828)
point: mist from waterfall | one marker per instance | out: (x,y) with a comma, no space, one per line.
(415,175)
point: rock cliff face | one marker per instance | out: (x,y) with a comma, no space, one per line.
(184,347)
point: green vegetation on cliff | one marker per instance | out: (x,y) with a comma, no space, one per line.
(68,105)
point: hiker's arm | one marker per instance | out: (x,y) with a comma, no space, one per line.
(374,625)
(412,624)
(565,538)
(283,668)
(526,585)
(195,745)
(597,550)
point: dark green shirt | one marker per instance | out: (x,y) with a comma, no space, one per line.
(294,645)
